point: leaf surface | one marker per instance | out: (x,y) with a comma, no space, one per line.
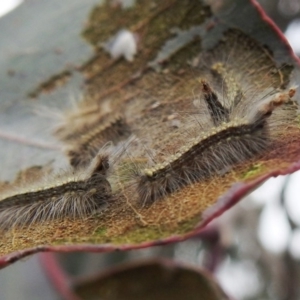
(161,82)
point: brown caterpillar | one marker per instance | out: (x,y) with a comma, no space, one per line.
(86,146)
(86,132)
(240,132)
(74,195)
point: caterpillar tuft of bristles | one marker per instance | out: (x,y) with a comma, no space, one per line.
(75,194)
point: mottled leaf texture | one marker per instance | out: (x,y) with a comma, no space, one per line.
(203,113)
(150,280)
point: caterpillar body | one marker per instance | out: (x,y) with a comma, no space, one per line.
(88,144)
(84,139)
(74,195)
(239,132)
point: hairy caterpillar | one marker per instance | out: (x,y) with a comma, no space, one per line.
(235,121)
(74,195)
(211,152)
(86,146)
(88,131)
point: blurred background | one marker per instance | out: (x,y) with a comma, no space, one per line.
(253,249)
